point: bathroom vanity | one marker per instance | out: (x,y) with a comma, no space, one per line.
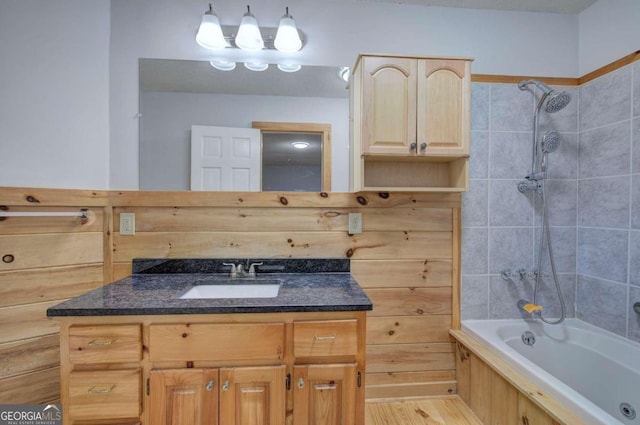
(135,352)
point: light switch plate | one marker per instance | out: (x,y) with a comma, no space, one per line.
(355,223)
(127,223)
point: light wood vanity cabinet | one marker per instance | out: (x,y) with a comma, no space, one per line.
(281,368)
(410,123)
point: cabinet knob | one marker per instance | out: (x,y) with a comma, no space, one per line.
(210,385)
(413,146)
(225,386)
(423,146)
(300,383)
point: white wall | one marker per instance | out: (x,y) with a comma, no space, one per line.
(69,68)
(54,91)
(167,119)
(513,43)
(609,30)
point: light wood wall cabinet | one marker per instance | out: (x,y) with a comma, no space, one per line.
(244,369)
(410,123)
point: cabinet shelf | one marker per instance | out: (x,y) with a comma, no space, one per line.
(432,174)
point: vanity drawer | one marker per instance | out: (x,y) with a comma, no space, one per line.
(105,344)
(325,338)
(217,342)
(104,394)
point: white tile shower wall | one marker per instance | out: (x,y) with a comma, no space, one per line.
(501,225)
(608,257)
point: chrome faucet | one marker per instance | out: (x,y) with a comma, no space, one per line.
(239,270)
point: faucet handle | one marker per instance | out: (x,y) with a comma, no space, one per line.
(233,271)
(252,268)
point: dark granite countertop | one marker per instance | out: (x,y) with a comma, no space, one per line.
(155,287)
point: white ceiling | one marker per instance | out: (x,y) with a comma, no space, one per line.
(572,7)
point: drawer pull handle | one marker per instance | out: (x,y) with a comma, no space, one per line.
(101,390)
(325,387)
(97,342)
(324,338)
(225,386)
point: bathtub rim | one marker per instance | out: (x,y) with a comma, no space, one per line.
(555,389)
(525,386)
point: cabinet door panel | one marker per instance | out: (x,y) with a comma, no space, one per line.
(443,106)
(324,394)
(252,395)
(184,397)
(389,105)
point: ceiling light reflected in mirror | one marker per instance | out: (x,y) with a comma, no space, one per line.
(300,145)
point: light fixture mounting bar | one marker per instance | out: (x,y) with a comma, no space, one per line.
(268,36)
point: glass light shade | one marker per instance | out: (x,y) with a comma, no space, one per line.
(210,34)
(223,65)
(256,66)
(287,37)
(249,36)
(289,67)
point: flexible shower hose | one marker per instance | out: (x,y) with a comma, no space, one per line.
(546,234)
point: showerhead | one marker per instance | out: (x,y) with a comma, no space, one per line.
(553,100)
(557,101)
(550,141)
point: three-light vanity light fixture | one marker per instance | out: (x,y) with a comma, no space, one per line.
(249,37)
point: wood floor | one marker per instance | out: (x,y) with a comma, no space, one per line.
(431,411)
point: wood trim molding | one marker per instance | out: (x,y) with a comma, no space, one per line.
(559,81)
(610,67)
(515,79)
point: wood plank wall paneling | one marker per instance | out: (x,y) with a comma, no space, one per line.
(404,260)
(45,260)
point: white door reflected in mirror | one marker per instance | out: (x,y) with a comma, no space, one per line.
(225,159)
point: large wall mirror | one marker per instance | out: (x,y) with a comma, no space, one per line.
(310,107)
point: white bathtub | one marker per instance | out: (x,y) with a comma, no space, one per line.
(587,369)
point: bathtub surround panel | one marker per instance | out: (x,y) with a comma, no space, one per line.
(594,201)
(604,202)
(603,253)
(510,109)
(605,151)
(634,318)
(634,259)
(606,100)
(562,202)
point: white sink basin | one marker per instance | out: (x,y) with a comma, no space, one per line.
(267,289)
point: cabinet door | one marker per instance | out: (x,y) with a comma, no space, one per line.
(183,397)
(388,105)
(252,395)
(324,394)
(444,96)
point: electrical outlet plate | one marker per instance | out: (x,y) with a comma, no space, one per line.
(127,223)
(355,223)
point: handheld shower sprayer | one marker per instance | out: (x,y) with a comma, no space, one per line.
(550,142)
